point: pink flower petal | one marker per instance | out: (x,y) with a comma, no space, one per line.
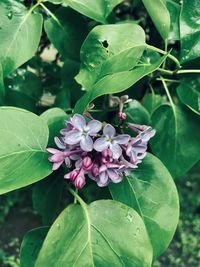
(56,166)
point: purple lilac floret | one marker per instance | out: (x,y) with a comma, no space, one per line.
(96,151)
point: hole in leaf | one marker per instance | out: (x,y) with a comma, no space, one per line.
(105,44)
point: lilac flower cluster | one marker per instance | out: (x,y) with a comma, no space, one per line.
(96,151)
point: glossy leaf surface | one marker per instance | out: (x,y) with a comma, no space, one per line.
(159,15)
(97,10)
(23,143)
(151,191)
(20,34)
(136,113)
(189,93)
(86,236)
(115,83)
(31,246)
(64,32)
(110,49)
(190,30)
(174,11)
(176,141)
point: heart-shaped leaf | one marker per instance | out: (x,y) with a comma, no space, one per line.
(102,233)
(151,191)
(98,10)
(110,49)
(31,246)
(115,83)
(176,141)
(23,141)
(20,34)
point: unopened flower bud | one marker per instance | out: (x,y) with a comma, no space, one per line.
(72,175)
(95,170)
(87,163)
(79,182)
(107,156)
(122,116)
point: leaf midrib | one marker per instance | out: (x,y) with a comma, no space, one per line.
(87,217)
(17,31)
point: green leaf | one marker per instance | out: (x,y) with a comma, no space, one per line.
(46,196)
(150,190)
(55,119)
(189,92)
(152,101)
(136,113)
(115,83)
(31,246)
(23,143)
(176,141)
(98,10)
(110,49)
(2,89)
(66,31)
(190,30)
(97,235)
(20,34)
(26,83)
(159,15)
(23,90)
(174,11)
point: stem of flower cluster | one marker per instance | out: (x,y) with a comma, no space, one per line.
(77,197)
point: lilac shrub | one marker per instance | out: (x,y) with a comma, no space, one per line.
(98,151)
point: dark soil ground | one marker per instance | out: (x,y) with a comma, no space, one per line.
(17,217)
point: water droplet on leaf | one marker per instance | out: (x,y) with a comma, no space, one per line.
(10,14)
(129,217)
